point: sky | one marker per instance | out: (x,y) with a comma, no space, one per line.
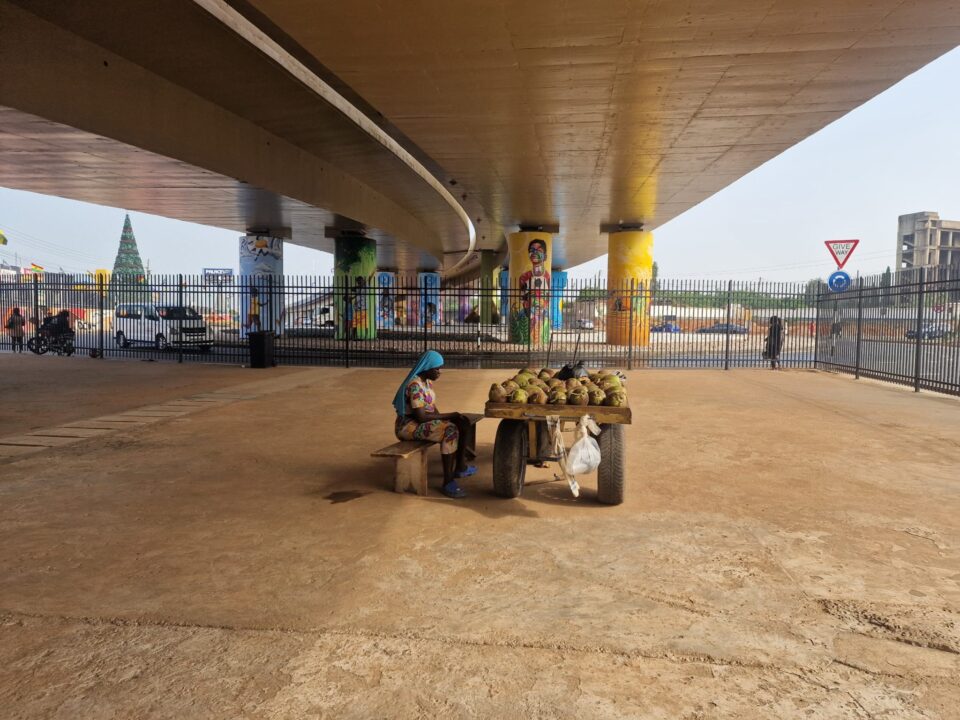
(898,153)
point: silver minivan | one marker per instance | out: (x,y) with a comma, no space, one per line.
(163,326)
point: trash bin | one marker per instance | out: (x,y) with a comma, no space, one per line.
(261,349)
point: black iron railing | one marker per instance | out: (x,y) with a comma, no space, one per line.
(901,328)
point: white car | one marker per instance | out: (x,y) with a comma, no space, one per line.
(163,326)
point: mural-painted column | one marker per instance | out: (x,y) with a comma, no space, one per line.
(355,286)
(629,260)
(386,300)
(558,283)
(530,256)
(430,310)
(261,283)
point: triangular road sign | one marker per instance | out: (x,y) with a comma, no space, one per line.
(841,250)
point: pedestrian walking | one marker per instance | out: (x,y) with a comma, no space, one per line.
(15,329)
(773,345)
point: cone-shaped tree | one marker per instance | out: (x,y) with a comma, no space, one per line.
(128,282)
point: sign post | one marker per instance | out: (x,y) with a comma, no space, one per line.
(840,251)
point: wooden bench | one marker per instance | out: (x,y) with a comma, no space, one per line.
(410,457)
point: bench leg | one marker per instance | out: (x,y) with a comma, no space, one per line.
(412,472)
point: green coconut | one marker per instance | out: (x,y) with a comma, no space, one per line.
(578,396)
(510,386)
(610,382)
(518,396)
(573,384)
(537,397)
(557,396)
(555,383)
(497,393)
(617,398)
(597,396)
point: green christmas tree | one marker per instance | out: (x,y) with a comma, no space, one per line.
(128,282)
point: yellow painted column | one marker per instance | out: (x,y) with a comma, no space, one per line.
(529,296)
(629,265)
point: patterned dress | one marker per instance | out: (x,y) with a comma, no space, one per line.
(419,394)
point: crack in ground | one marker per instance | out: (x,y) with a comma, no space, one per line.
(850,611)
(11,616)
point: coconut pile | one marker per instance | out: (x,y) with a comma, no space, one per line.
(604,387)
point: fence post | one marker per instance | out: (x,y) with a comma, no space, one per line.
(856,369)
(36,302)
(180,321)
(918,350)
(726,348)
(816,326)
(347,326)
(630,330)
(100,304)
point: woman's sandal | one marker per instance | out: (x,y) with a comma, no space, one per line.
(452,490)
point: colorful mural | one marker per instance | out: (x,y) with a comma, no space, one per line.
(387,310)
(530,256)
(261,275)
(429,283)
(355,279)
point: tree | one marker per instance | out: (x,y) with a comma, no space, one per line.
(128,280)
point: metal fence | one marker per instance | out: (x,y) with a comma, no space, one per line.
(902,329)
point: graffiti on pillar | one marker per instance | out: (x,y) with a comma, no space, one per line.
(530,306)
(429,283)
(558,284)
(261,275)
(355,270)
(386,300)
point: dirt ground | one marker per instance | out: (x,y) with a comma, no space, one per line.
(789,548)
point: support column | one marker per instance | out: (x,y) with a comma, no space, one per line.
(261,280)
(530,257)
(428,284)
(386,300)
(355,286)
(629,260)
(558,283)
(488,285)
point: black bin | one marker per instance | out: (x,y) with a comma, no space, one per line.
(261,349)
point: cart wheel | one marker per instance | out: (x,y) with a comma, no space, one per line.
(611,471)
(510,458)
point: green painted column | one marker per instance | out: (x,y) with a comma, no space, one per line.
(355,283)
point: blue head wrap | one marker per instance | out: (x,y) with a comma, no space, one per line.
(428,361)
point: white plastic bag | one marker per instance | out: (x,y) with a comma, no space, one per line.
(584,455)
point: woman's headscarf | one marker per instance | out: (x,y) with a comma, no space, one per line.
(428,361)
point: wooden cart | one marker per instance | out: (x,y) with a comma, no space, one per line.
(522,438)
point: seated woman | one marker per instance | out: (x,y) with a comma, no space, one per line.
(419,419)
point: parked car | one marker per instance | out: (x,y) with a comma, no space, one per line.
(666,327)
(929,331)
(725,328)
(163,326)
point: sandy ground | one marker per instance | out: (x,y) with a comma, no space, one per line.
(789,548)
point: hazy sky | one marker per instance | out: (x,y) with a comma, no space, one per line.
(897,154)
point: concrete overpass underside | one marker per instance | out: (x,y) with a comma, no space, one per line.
(579,115)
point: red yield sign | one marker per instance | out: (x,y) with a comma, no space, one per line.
(841,250)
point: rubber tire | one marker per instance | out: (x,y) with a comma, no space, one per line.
(122,340)
(510,458)
(37,345)
(160,343)
(67,348)
(610,474)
